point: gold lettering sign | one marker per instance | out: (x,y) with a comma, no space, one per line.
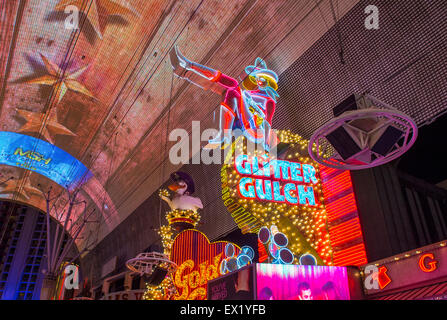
(188,282)
(198,262)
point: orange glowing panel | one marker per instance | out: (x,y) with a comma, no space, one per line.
(383,278)
(345,233)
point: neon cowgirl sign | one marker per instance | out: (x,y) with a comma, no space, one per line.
(248,106)
(276,180)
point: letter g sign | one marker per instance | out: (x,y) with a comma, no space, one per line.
(430,266)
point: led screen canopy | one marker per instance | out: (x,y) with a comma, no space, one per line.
(39,156)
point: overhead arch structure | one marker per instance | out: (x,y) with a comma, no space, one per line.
(38,157)
(103,91)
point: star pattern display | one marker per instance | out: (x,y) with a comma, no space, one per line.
(62,81)
(12,187)
(34,122)
(98,11)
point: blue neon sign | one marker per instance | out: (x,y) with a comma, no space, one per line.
(39,156)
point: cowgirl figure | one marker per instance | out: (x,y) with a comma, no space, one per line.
(248,106)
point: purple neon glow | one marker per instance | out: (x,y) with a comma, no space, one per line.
(283,282)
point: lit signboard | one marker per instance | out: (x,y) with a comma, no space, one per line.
(36,155)
(296,282)
(313,205)
(276,180)
(198,261)
(420,266)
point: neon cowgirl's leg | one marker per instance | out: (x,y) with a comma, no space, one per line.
(226,119)
(232,99)
(227,82)
(182,65)
(228,114)
(271,141)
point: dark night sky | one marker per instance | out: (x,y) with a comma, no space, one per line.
(426,159)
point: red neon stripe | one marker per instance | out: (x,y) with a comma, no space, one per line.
(332,187)
(351,255)
(343,201)
(325,171)
(348,230)
(329,195)
(341,241)
(344,234)
(355,247)
(337,183)
(341,180)
(351,261)
(339,177)
(341,207)
(345,237)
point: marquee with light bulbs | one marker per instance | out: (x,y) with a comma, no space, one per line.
(313,205)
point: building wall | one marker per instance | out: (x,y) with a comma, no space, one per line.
(398,212)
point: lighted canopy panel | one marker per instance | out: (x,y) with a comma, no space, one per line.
(36,155)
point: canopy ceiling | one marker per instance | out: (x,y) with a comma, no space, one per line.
(105,92)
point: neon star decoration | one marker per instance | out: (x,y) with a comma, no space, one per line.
(52,126)
(98,11)
(62,81)
(12,187)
